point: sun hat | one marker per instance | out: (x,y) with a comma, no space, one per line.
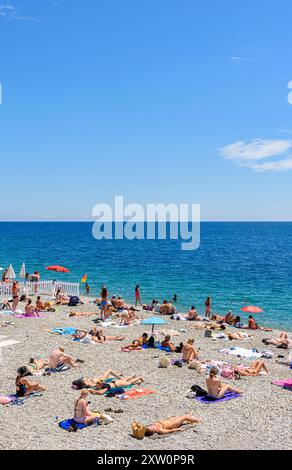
(138,430)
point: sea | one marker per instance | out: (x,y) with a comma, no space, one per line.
(237,264)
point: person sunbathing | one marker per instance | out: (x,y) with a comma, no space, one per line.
(82,413)
(217,389)
(168,344)
(189,353)
(167,308)
(137,343)
(97,335)
(35,365)
(238,335)
(42,307)
(252,325)
(5,305)
(167,426)
(82,314)
(59,359)
(252,371)
(23,386)
(61,299)
(107,381)
(282,341)
(30,310)
(192,315)
(229,318)
(102,387)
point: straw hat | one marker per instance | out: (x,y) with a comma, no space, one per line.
(138,430)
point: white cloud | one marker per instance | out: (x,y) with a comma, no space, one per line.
(10,12)
(251,154)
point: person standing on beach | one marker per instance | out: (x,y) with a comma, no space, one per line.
(104,302)
(138,296)
(15,295)
(208,305)
(4,276)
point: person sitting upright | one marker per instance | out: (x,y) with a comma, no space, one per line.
(168,344)
(189,353)
(216,389)
(23,386)
(59,359)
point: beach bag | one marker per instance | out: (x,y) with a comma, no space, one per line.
(227,373)
(164,362)
(208,334)
(73,301)
(138,431)
(195,365)
(199,391)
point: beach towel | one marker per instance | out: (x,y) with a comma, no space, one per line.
(8,342)
(68,423)
(64,331)
(283,383)
(241,352)
(135,393)
(39,315)
(56,370)
(16,400)
(228,396)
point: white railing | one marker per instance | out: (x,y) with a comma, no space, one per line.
(40,288)
(67,288)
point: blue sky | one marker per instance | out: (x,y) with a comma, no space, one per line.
(157,100)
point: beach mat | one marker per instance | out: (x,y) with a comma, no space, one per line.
(16,400)
(64,331)
(66,425)
(227,397)
(136,393)
(23,315)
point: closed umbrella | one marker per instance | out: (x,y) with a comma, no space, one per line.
(154,321)
(10,272)
(22,271)
(57,269)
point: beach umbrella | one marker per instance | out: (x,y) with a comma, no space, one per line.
(57,269)
(22,271)
(252,309)
(154,321)
(10,272)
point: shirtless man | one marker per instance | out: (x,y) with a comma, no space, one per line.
(167,343)
(42,306)
(58,358)
(168,426)
(192,315)
(216,389)
(189,353)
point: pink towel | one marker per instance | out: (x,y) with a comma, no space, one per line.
(283,383)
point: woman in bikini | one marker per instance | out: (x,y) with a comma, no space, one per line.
(252,371)
(97,335)
(107,381)
(238,336)
(23,386)
(82,414)
(104,302)
(15,295)
(208,304)
(216,389)
(168,426)
(137,343)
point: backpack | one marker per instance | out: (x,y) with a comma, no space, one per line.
(199,391)
(73,301)
(208,334)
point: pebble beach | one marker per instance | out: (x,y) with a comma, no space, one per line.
(260,419)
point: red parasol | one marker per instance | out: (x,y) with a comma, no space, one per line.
(252,309)
(58,269)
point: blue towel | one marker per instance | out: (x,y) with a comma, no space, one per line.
(69,422)
(228,396)
(64,331)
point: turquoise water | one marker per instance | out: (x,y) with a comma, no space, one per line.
(235,262)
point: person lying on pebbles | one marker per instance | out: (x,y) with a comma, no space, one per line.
(168,344)
(217,389)
(238,335)
(97,335)
(255,369)
(189,353)
(163,427)
(137,344)
(282,341)
(107,381)
(23,386)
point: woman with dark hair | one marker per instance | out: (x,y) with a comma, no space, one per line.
(208,305)
(23,386)
(138,296)
(104,302)
(15,295)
